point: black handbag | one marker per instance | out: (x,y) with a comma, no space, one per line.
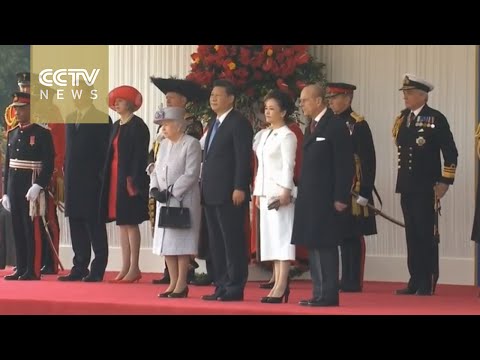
(174,217)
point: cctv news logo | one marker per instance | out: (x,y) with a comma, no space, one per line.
(68,77)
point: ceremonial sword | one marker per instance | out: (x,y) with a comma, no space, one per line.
(380,212)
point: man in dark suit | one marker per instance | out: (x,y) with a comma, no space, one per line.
(323,195)
(87,135)
(363,221)
(420,133)
(226,177)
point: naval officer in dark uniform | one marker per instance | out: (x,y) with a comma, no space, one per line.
(420,134)
(362,220)
(28,168)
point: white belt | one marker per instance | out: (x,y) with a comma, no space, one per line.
(26,164)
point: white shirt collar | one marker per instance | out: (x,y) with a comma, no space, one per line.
(416,112)
(319,116)
(221,118)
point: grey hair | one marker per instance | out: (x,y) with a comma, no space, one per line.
(319,90)
(130,106)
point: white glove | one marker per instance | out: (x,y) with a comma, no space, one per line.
(150,168)
(6,202)
(33,192)
(362,201)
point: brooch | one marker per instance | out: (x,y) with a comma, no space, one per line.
(420,141)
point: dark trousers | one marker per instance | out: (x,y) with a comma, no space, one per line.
(324,272)
(27,237)
(87,235)
(228,248)
(353,261)
(418,212)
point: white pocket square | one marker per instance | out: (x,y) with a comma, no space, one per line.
(320,139)
(421,130)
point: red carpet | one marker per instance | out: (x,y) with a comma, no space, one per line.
(50,296)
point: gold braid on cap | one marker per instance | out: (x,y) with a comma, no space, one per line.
(10,117)
(396,126)
(477,140)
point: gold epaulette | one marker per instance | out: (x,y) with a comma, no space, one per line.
(13,128)
(357,117)
(10,118)
(45,126)
(449,171)
(396,126)
(477,139)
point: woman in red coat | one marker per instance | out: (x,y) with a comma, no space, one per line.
(125,183)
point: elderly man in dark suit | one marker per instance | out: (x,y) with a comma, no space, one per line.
(87,135)
(323,195)
(226,178)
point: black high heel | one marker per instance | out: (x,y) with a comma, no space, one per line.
(165,294)
(182,294)
(278,300)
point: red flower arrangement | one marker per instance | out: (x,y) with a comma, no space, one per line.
(254,70)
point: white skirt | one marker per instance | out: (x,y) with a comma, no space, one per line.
(276,232)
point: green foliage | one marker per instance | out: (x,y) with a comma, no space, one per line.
(13,59)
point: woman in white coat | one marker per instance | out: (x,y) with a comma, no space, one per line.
(274,187)
(175,176)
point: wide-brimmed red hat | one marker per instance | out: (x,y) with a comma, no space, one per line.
(125,92)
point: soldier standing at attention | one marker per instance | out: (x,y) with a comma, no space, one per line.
(362,220)
(420,134)
(28,168)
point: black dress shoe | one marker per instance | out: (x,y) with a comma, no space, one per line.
(28,276)
(230,297)
(164,280)
(405,291)
(423,292)
(71,277)
(305,302)
(92,278)
(268,285)
(13,276)
(47,270)
(211,297)
(323,302)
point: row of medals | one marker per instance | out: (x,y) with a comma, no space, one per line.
(424,122)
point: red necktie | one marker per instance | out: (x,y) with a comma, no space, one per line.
(313,124)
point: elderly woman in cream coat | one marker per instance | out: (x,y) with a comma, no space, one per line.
(276,151)
(177,165)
